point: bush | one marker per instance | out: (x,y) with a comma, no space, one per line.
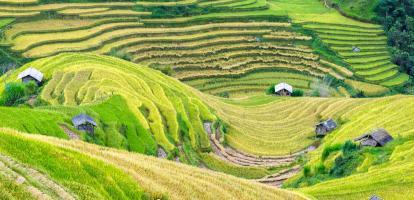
(297,93)
(359,94)
(12,93)
(329,149)
(270,89)
(17,93)
(306,171)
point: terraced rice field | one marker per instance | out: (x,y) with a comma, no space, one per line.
(264,125)
(156,100)
(341,34)
(135,174)
(234,41)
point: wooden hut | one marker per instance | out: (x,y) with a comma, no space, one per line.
(283,89)
(324,127)
(84,122)
(377,138)
(31,74)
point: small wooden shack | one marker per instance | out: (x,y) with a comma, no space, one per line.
(84,122)
(377,138)
(324,127)
(283,89)
(31,74)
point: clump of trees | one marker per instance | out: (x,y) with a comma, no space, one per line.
(397,17)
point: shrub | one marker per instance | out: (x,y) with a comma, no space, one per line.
(17,93)
(12,93)
(297,93)
(270,89)
(329,149)
(306,171)
(359,94)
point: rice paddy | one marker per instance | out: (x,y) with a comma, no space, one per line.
(224,44)
(227,56)
(93,169)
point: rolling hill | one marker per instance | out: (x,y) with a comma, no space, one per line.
(236,48)
(180,92)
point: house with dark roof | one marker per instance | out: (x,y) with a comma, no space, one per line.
(377,138)
(84,122)
(324,127)
(283,89)
(31,74)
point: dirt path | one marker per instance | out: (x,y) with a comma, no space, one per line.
(39,185)
(278,178)
(72,135)
(244,159)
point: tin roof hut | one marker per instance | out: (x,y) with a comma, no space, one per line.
(324,127)
(283,89)
(31,74)
(84,122)
(377,138)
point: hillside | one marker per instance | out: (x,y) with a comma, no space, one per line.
(181,102)
(235,48)
(92,171)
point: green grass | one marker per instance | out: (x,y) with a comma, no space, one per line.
(86,177)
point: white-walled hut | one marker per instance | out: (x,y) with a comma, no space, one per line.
(283,89)
(31,74)
(377,138)
(324,127)
(84,122)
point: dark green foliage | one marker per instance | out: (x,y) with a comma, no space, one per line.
(358,94)
(297,93)
(346,163)
(397,17)
(270,89)
(306,171)
(18,93)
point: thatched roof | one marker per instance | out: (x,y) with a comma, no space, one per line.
(32,72)
(82,119)
(283,86)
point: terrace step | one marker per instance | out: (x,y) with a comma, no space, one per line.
(398,80)
(377,70)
